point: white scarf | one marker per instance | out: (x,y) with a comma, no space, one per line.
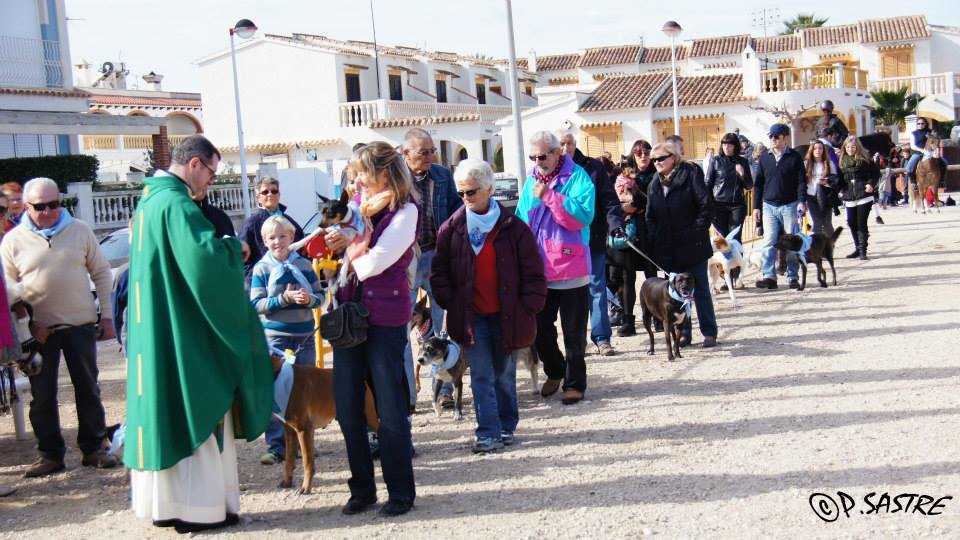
(480,225)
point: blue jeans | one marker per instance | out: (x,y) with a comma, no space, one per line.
(703,301)
(493,379)
(777,219)
(599,316)
(307,356)
(911,168)
(379,360)
(422,281)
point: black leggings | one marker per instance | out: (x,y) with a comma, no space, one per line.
(857,221)
(728,217)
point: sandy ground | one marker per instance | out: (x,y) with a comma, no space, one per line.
(849,389)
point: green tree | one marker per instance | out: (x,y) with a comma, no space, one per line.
(891,107)
(801,21)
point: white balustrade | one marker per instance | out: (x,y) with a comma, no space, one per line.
(30,62)
(362,113)
(812,78)
(924,85)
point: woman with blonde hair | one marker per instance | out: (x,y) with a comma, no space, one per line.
(378,261)
(858,181)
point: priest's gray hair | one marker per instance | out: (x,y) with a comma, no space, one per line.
(417,134)
(477,169)
(37,185)
(547,138)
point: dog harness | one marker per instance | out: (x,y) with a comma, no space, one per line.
(674,294)
(735,245)
(442,371)
(283,385)
(805,247)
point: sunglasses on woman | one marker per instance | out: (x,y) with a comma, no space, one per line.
(40,207)
(661,159)
(468,193)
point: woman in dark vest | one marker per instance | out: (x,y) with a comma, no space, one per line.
(378,259)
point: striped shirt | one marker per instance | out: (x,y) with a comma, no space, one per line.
(279,317)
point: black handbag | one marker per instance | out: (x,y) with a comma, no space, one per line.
(346,325)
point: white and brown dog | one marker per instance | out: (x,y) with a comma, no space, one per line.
(726,264)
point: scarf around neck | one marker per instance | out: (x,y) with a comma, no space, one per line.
(371,206)
(674,294)
(480,225)
(279,268)
(62,223)
(550,177)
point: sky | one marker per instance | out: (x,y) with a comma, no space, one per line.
(168,36)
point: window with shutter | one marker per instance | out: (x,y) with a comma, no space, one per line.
(27,145)
(896,63)
(7,149)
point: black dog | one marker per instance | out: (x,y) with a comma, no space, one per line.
(668,302)
(820,248)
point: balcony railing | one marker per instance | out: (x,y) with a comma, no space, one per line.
(812,78)
(113,209)
(924,85)
(362,113)
(129,142)
(30,62)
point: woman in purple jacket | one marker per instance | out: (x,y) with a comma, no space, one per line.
(379,259)
(488,276)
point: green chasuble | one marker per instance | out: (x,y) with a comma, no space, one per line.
(195,346)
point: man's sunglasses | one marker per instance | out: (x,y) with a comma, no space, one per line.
(661,159)
(273,191)
(468,193)
(541,157)
(40,207)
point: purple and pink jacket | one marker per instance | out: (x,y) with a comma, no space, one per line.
(560,222)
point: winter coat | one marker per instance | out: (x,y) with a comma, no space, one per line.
(855,175)
(560,222)
(723,181)
(678,223)
(608,215)
(522,286)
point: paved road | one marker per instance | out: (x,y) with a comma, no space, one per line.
(850,389)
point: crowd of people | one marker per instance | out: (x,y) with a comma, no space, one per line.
(201,308)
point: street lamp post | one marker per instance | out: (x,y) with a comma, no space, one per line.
(515,87)
(245,29)
(672,29)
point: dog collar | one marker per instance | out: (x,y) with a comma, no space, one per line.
(675,295)
(735,247)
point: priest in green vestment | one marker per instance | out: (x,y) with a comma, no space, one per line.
(198,369)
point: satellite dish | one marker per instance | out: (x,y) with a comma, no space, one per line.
(107,67)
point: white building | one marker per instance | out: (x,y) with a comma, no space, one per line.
(41,111)
(611,96)
(307,99)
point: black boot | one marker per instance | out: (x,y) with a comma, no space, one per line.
(628,327)
(856,245)
(863,246)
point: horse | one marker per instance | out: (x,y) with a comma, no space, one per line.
(928,174)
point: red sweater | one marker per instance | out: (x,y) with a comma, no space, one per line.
(486,298)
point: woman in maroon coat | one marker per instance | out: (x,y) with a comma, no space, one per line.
(488,276)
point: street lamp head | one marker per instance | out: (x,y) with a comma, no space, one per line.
(671,29)
(244,28)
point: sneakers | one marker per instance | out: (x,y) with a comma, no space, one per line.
(270,458)
(487,445)
(355,506)
(550,387)
(395,508)
(605,349)
(571,396)
(44,467)
(767,283)
(100,460)
(507,439)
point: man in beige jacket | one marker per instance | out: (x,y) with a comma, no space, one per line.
(48,260)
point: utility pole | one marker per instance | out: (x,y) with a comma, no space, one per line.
(515,86)
(762,18)
(376,53)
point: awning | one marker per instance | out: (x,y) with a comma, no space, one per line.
(280,146)
(70,123)
(445,72)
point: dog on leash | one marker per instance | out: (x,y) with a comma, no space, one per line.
(814,248)
(310,406)
(448,365)
(726,264)
(669,301)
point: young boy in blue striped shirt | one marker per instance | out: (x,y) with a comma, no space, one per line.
(284,290)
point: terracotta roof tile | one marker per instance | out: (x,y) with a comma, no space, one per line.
(611,56)
(106,99)
(656,55)
(706,90)
(829,35)
(719,46)
(893,29)
(58,92)
(776,44)
(558,62)
(279,146)
(631,92)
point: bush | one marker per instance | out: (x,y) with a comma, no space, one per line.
(61,169)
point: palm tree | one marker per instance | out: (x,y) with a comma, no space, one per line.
(802,20)
(891,107)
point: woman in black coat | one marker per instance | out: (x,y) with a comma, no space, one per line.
(679,211)
(728,175)
(858,180)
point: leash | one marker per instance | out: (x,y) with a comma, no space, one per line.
(644,255)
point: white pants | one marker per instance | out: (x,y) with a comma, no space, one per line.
(200,488)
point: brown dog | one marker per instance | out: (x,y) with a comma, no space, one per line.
(659,299)
(820,249)
(311,406)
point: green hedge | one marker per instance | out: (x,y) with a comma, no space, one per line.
(62,169)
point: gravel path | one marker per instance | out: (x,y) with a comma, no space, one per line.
(850,389)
